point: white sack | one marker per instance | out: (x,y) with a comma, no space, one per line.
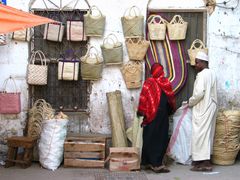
(179,147)
(51,143)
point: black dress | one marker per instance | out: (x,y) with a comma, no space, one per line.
(155,135)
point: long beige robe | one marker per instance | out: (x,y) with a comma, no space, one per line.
(204,102)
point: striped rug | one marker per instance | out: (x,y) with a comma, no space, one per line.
(171,55)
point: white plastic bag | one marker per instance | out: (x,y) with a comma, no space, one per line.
(179,147)
(52,142)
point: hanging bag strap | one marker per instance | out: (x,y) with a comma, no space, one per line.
(41,56)
(92,8)
(108,43)
(89,53)
(115,39)
(6,82)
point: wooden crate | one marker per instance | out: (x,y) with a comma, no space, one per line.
(84,151)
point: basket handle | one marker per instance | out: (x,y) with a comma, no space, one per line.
(139,41)
(152,19)
(177,19)
(96,9)
(132,9)
(129,67)
(91,53)
(116,41)
(107,41)
(195,42)
(41,56)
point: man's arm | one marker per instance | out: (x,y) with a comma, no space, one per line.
(198,91)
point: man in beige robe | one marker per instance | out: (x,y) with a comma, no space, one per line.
(204,103)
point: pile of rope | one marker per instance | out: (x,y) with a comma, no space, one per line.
(227,137)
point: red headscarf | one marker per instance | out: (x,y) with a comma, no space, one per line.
(151,93)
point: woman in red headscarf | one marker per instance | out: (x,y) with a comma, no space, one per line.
(156,103)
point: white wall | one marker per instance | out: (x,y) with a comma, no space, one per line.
(224,50)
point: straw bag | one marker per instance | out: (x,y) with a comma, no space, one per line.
(137,48)
(54,31)
(3,40)
(132,74)
(37,74)
(10,102)
(177,28)
(91,65)
(132,24)
(21,35)
(94,25)
(75,30)
(156,28)
(68,69)
(124,159)
(112,50)
(192,52)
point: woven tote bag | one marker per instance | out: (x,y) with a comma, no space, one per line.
(68,69)
(177,28)
(137,48)
(75,31)
(132,23)
(132,74)
(94,25)
(157,27)
(37,74)
(196,46)
(112,50)
(21,35)
(91,65)
(10,102)
(54,31)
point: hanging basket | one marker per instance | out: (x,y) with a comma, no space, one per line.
(196,47)
(132,74)
(137,48)
(157,27)
(177,28)
(91,65)
(132,23)
(112,50)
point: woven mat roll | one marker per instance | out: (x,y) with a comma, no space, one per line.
(119,137)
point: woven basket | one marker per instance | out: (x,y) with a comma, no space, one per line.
(156,28)
(112,50)
(177,28)
(194,49)
(37,74)
(94,25)
(132,74)
(132,23)
(226,140)
(137,48)
(91,65)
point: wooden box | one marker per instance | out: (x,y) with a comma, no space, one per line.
(84,151)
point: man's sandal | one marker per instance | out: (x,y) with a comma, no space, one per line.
(202,168)
(160,169)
